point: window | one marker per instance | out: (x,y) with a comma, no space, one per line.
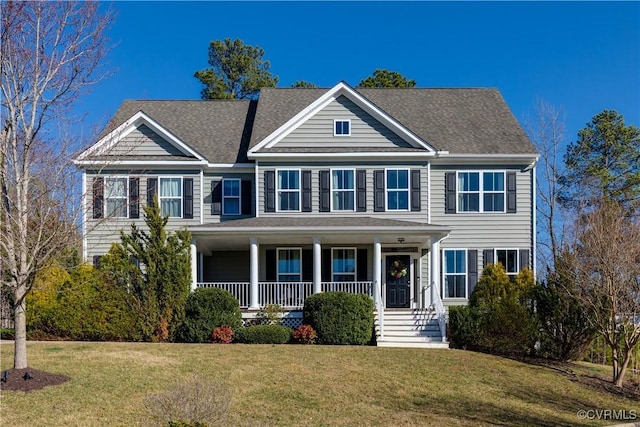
(289,265)
(397,189)
(343,190)
(171,197)
(481,192)
(455,273)
(509,260)
(342,128)
(115,193)
(343,265)
(231,197)
(288,190)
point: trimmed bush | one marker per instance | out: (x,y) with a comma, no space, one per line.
(463,327)
(208,308)
(340,318)
(305,334)
(263,334)
(222,335)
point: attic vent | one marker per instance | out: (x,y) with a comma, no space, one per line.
(341,127)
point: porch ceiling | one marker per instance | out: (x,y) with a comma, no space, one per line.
(235,234)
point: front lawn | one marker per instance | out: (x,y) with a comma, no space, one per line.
(304,385)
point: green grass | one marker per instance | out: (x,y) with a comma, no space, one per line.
(303,385)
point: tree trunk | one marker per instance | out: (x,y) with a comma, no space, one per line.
(617,380)
(614,362)
(20,324)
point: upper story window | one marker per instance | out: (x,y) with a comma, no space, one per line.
(231,196)
(343,264)
(288,187)
(509,260)
(170,197)
(397,189)
(343,190)
(455,273)
(342,128)
(115,194)
(289,265)
(481,192)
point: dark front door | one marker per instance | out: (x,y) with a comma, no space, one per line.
(398,274)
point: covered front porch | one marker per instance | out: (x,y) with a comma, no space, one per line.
(282,260)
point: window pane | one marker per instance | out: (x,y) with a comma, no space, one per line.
(392,179)
(345,128)
(512,262)
(115,187)
(392,200)
(171,207)
(170,187)
(403,179)
(403,200)
(232,206)
(493,202)
(231,187)
(460,262)
(450,261)
(116,208)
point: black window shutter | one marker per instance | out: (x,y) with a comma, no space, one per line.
(378,191)
(450,192)
(415,190)
(96,261)
(511,192)
(306,191)
(270,259)
(269,191)
(98,198)
(472,270)
(524,259)
(134,198)
(361,190)
(487,257)
(152,190)
(362,270)
(246,197)
(325,191)
(216,197)
(307,265)
(325,273)
(187,198)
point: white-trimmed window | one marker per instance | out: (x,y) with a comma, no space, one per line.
(509,260)
(397,189)
(288,187)
(231,196)
(170,196)
(455,273)
(289,265)
(116,190)
(481,191)
(342,127)
(343,264)
(343,189)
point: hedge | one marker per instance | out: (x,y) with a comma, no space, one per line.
(340,318)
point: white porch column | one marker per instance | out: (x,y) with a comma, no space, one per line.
(377,271)
(317,266)
(194,265)
(253,274)
(200,267)
(434,269)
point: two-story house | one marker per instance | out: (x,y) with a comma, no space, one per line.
(402,194)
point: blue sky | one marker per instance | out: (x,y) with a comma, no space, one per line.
(581,57)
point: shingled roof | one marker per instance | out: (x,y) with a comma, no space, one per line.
(461,121)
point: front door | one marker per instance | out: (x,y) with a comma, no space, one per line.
(398,275)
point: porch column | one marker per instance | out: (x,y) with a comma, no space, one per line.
(377,271)
(434,269)
(253,274)
(194,265)
(200,267)
(317,266)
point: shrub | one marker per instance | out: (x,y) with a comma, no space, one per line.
(197,402)
(7,334)
(263,334)
(305,334)
(271,314)
(340,318)
(208,308)
(222,335)
(463,327)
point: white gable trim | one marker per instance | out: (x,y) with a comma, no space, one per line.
(108,141)
(332,94)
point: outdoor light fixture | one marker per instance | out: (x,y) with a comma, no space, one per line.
(400,239)
(5,376)
(27,376)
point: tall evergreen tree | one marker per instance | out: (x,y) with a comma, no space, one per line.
(384,78)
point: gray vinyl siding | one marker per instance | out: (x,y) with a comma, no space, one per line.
(144,142)
(102,233)
(318,130)
(208,178)
(484,230)
(420,216)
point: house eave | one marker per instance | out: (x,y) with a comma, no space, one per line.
(348,155)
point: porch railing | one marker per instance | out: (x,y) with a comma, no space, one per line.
(289,295)
(440,312)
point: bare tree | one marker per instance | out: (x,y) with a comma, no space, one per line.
(606,270)
(547,132)
(50,55)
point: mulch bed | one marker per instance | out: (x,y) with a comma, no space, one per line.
(40,379)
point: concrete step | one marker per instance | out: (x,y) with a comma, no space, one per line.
(413,344)
(408,333)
